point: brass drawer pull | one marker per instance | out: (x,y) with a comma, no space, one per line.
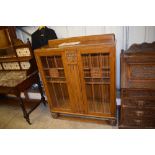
(140,104)
(139,113)
(138,122)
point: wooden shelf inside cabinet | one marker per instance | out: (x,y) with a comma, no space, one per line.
(49,77)
(99,83)
(96,77)
(56,81)
(82,74)
(103,68)
(56,68)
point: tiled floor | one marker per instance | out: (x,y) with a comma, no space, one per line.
(11,117)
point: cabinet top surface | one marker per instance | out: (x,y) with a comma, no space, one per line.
(82,41)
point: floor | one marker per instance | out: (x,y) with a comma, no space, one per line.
(11,117)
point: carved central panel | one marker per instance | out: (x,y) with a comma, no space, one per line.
(71,57)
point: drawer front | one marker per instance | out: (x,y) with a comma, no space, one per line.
(138,103)
(139,114)
(138,93)
(139,122)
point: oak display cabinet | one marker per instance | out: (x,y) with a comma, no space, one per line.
(78,75)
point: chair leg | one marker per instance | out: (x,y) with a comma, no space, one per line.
(42,94)
(26,115)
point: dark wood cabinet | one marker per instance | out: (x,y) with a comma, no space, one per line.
(138,86)
(79,76)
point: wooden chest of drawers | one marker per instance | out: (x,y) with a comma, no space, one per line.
(79,76)
(138,87)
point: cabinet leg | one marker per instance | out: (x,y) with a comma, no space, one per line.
(54,115)
(112,122)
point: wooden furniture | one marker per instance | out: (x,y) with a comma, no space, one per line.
(18,69)
(79,76)
(138,86)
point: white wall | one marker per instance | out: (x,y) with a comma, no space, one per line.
(125,36)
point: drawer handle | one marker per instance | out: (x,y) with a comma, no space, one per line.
(139,113)
(138,122)
(140,104)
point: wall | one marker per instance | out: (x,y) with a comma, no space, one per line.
(125,36)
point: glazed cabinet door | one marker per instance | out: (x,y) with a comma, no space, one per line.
(98,74)
(53,75)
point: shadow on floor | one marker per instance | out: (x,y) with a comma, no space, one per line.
(11,117)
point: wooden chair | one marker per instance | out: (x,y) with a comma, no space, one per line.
(18,69)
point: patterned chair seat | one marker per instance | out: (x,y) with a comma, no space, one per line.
(12,78)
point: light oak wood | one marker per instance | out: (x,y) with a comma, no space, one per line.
(80,79)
